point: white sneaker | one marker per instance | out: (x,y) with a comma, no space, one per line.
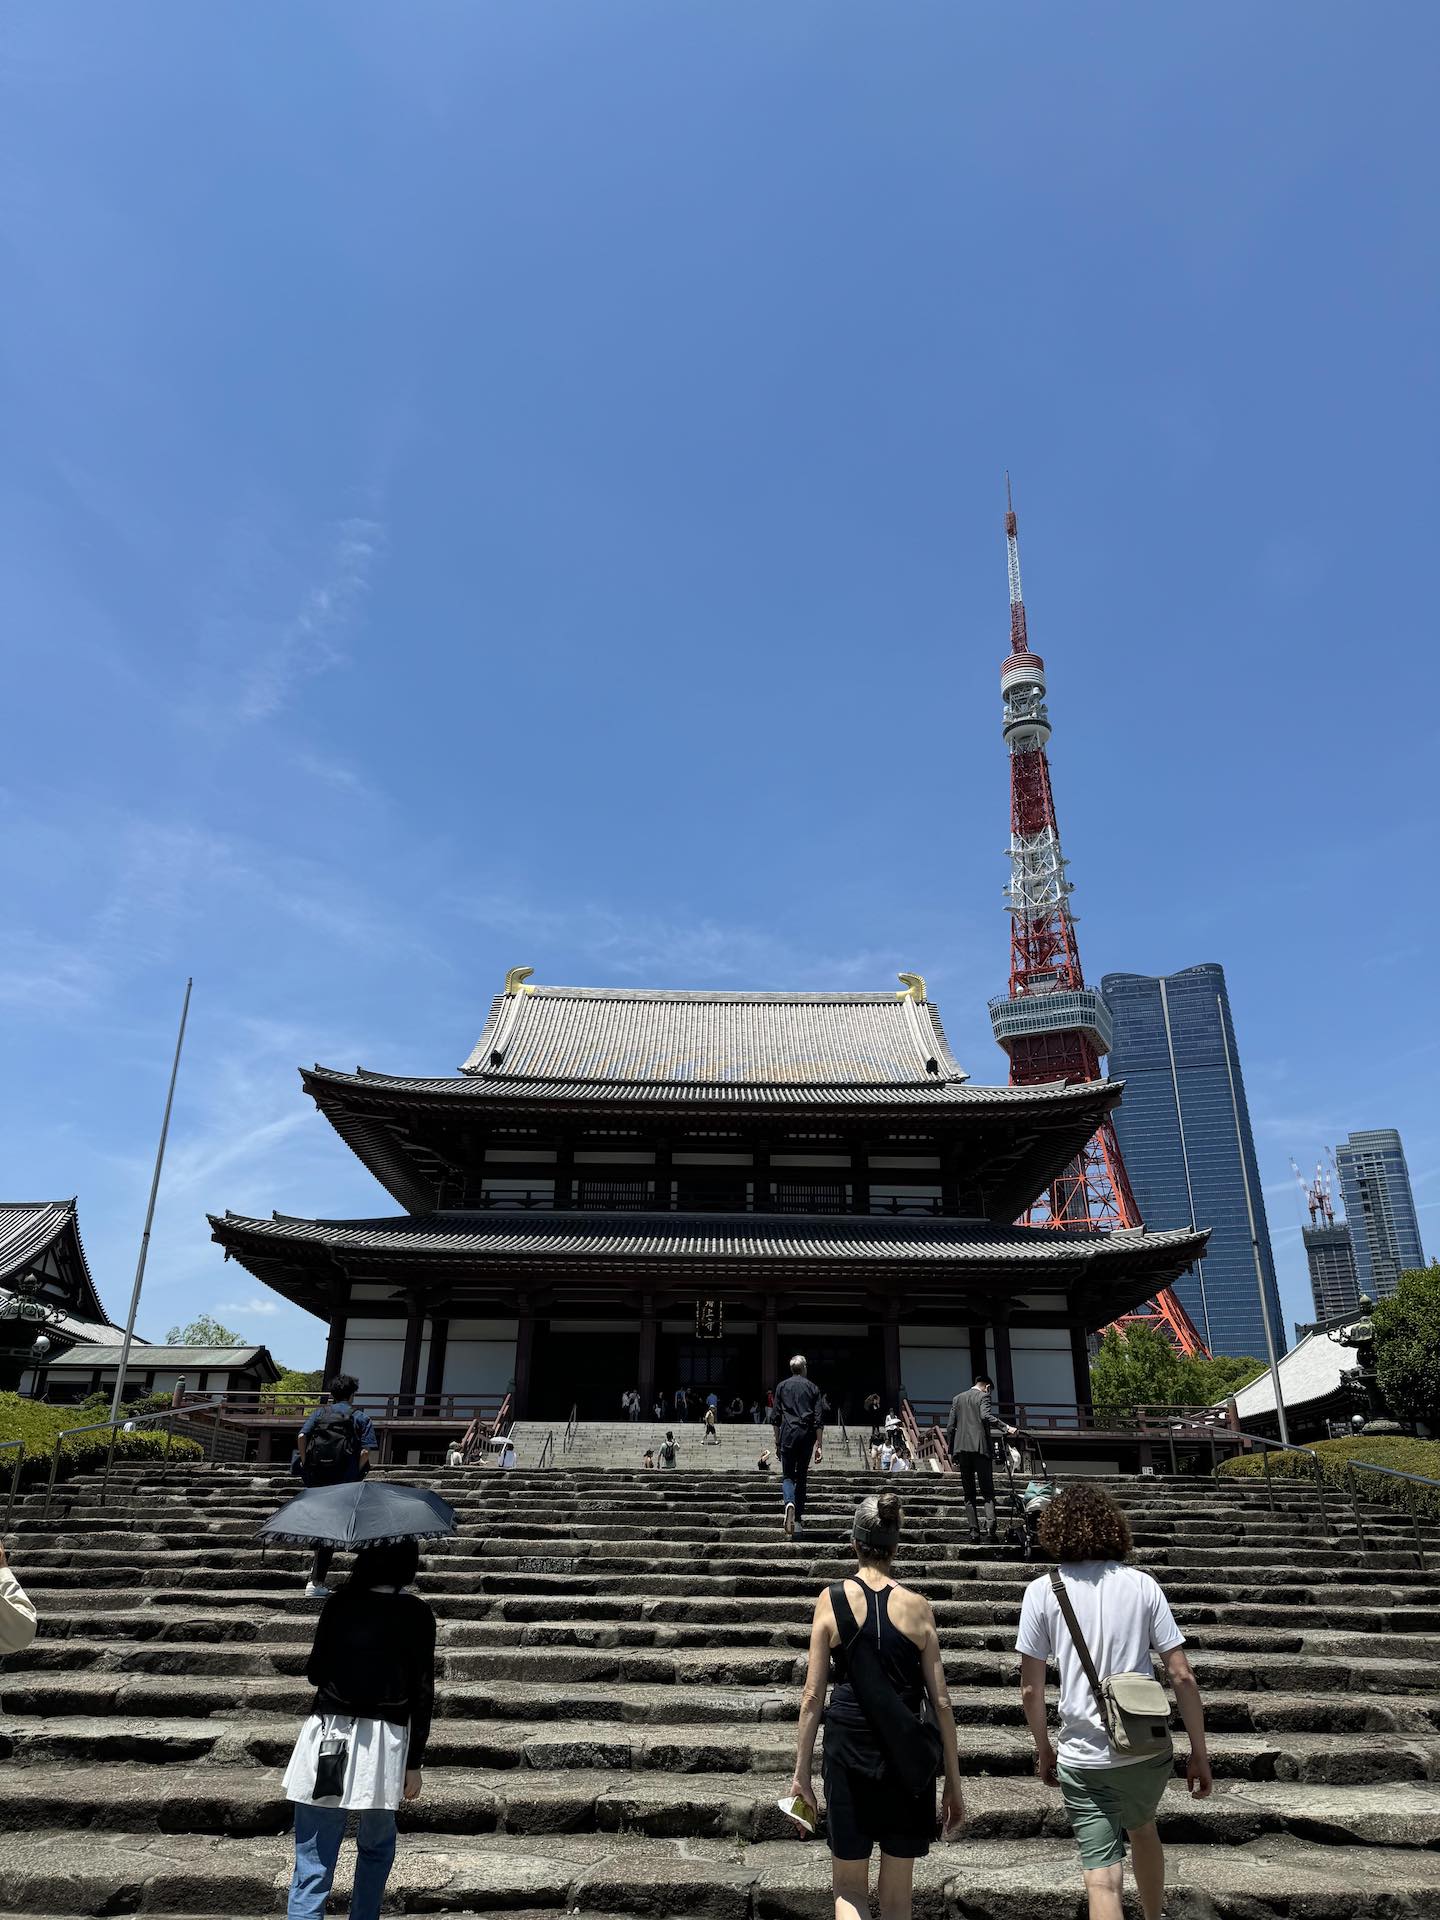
(790,1519)
(313,1591)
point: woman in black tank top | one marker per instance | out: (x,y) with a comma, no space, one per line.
(866,1805)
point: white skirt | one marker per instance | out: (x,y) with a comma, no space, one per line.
(374,1765)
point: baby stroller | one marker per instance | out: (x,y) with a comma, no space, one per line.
(1027,1503)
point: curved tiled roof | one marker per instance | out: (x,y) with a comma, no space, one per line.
(29,1230)
(633,1236)
(620,1038)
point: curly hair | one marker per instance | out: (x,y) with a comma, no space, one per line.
(1084,1523)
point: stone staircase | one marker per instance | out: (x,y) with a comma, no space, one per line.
(620,1656)
(619,1443)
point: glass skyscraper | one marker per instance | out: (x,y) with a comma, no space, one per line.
(1174,1047)
(1379,1208)
(1330,1256)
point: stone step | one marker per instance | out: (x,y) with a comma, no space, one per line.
(135,1799)
(707,1664)
(660,1701)
(264,1740)
(75,1641)
(60,1874)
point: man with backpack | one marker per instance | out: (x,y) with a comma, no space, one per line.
(799,1425)
(335,1445)
(668,1453)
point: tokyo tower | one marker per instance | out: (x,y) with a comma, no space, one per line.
(1052,1026)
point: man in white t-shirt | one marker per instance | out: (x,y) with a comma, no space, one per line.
(1126,1620)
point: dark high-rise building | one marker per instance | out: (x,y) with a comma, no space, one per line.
(1330,1257)
(1184,1129)
(1380,1209)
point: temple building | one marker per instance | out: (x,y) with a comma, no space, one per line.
(654,1189)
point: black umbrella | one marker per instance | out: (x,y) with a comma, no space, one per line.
(359,1513)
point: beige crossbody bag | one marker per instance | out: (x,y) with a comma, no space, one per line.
(1134,1707)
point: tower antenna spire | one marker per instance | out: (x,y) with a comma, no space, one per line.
(1019,641)
(1050,1023)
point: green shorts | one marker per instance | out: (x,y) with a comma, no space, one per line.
(1106,1803)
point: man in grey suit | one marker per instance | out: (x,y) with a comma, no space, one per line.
(968,1436)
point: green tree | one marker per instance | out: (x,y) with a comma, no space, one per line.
(203,1332)
(1407,1346)
(1135,1369)
(295,1380)
(1141,1369)
(1209,1381)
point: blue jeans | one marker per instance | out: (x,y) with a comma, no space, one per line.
(795,1472)
(318,1833)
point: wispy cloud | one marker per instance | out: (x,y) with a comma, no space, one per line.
(332,773)
(47,976)
(312,641)
(255,1304)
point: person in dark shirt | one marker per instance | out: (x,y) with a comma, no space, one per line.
(799,1424)
(362,1749)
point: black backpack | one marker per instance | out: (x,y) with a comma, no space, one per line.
(667,1453)
(331,1444)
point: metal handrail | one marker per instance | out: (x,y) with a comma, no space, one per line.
(114,1428)
(1352,1467)
(570,1425)
(5,1446)
(547,1452)
(1267,1446)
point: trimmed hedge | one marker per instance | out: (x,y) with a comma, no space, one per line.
(38,1425)
(1399,1451)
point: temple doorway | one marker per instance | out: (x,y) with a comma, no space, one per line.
(586,1368)
(729,1368)
(845,1366)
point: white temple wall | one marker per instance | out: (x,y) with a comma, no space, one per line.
(1041,1362)
(480,1357)
(935,1362)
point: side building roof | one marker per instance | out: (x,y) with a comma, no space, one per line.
(147,1359)
(40,1241)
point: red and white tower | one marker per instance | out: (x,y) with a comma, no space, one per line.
(1052,1026)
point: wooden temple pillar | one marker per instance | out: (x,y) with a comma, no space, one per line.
(979,1358)
(524,1363)
(435,1365)
(890,1338)
(649,1339)
(770,1344)
(410,1359)
(1004,1366)
(335,1339)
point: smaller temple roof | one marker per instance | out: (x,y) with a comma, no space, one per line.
(636,1236)
(470,1255)
(148,1359)
(1310,1371)
(615,1038)
(41,1239)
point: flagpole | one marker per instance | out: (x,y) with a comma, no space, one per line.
(150,1213)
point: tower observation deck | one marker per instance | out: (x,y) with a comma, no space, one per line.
(1050,1024)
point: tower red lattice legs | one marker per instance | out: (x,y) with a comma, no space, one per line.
(1052,1026)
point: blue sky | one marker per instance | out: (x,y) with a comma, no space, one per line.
(487,484)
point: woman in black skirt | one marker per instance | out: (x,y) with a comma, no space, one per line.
(865,1806)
